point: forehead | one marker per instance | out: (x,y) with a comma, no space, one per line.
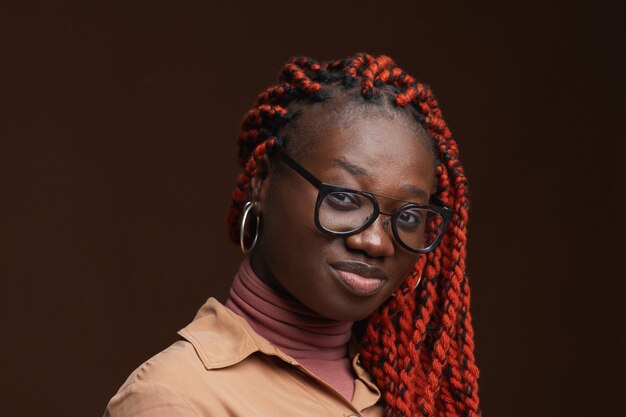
(388,145)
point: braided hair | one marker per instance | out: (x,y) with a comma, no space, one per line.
(418,346)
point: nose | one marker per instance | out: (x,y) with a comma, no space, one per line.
(376,241)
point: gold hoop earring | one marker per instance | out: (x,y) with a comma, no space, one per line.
(242,228)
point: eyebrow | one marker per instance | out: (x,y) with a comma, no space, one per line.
(358,170)
(351,168)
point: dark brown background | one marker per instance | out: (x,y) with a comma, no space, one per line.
(118,158)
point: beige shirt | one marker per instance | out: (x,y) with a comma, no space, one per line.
(223,368)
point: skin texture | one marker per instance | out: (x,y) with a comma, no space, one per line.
(291,254)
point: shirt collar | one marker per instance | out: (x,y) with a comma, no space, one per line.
(222,338)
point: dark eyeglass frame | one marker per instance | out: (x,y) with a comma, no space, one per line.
(324,189)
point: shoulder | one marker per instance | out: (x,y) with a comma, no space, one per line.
(197,374)
(159,387)
(169,368)
(143,399)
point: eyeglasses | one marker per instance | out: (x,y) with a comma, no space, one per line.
(341,211)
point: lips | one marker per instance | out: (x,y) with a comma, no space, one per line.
(358,277)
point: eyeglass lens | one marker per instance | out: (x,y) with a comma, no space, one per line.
(344,212)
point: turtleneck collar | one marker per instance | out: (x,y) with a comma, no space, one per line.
(317,343)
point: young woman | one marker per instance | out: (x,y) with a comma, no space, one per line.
(353,297)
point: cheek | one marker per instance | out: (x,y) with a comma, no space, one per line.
(288,228)
(289,209)
(286,219)
(405,265)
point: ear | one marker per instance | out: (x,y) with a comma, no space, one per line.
(260,184)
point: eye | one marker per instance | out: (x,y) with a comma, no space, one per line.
(343,201)
(411,219)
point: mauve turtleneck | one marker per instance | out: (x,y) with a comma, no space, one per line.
(317,343)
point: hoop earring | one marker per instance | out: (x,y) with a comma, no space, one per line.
(414,286)
(242,228)
(417,283)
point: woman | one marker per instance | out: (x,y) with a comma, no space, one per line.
(353,300)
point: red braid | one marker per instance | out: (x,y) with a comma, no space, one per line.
(419,345)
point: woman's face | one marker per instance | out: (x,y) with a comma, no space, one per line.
(336,277)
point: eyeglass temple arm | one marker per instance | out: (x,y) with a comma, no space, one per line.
(448,212)
(299,169)
(437,201)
